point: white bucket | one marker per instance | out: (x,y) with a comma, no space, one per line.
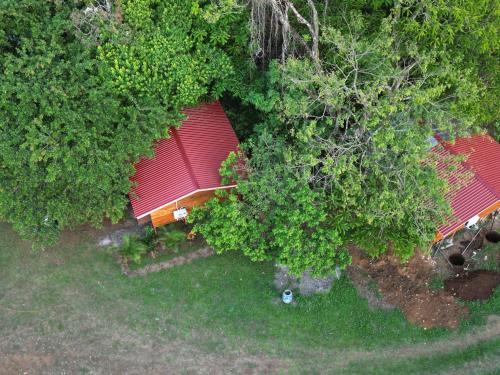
(287,296)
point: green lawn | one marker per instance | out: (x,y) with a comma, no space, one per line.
(222,307)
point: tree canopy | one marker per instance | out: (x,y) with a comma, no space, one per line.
(351,94)
(334,103)
(83,97)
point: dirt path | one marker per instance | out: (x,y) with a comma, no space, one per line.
(122,353)
(177,261)
(137,354)
(488,332)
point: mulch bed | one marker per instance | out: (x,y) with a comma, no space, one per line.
(177,261)
(406,286)
(475,285)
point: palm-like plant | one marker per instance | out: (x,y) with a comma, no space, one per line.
(132,248)
(171,238)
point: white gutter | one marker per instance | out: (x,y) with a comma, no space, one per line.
(184,196)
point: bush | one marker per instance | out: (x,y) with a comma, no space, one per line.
(150,237)
(132,248)
(171,238)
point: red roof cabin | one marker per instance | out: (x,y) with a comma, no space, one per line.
(184,171)
(478,195)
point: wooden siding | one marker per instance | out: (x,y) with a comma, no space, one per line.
(165,215)
(144,219)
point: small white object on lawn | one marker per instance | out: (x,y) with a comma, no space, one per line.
(287,296)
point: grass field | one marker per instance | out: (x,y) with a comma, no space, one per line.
(69,310)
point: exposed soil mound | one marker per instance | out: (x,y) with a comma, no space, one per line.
(475,285)
(363,283)
(406,286)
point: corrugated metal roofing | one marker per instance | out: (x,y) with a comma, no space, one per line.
(483,157)
(475,182)
(187,161)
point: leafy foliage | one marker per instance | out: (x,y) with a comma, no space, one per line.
(76,115)
(132,248)
(348,159)
(279,216)
(150,237)
(336,122)
(171,238)
(174,53)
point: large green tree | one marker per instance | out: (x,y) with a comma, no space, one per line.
(351,95)
(86,88)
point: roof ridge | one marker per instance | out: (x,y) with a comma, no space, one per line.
(185,158)
(483,181)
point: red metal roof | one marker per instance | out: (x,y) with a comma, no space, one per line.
(475,182)
(186,162)
(483,157)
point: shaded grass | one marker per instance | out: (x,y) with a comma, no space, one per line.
(219,303)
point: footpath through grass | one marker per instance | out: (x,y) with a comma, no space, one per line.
(218,305)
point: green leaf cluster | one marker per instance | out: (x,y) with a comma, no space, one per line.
(273,215)
(75,116)
(342,155)
(132,249)
(173,53)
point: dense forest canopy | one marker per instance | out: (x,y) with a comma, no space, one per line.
(349,94)
(86,88)
(334,102)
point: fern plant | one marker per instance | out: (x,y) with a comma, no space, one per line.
(150,237)
(171,238)
(132,248)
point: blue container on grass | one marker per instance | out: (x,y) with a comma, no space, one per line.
(287,296)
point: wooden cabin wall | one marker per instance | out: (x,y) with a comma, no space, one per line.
(165,215)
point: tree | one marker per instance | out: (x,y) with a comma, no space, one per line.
(350,138)
(70,128)
(172,52)
(279,216)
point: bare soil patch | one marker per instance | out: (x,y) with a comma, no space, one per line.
(475,285)
(177,261)
(364,285)
(25,363)
(407,287)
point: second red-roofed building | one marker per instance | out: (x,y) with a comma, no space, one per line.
(477,193)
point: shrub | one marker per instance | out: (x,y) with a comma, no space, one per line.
(132,248)
(171,238)
(150,237)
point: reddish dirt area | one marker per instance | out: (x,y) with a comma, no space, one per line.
(475,285)
(406,286)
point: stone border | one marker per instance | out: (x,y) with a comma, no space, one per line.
(177,261)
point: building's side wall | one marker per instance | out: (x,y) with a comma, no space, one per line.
(144,220)
(165,215)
